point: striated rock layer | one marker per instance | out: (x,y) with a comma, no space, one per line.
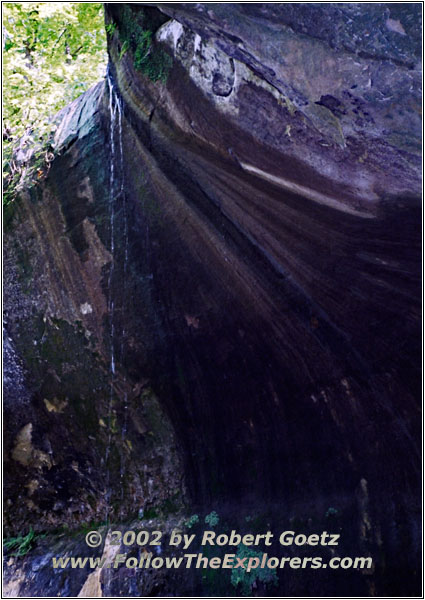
(216,290)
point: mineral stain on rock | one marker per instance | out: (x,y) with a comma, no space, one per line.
(212,302)
(22,451)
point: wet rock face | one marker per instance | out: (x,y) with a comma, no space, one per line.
(243,240)
(73,426)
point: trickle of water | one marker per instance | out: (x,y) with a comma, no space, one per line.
(118,213)
(123,333)
(113,104)
(116,190)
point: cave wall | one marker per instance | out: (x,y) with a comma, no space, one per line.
(265,211)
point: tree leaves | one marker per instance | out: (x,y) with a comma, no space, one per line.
(52,52)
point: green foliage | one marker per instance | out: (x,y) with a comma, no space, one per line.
(149,513)
(167,507)
(110,28)
(192,521)
(331,512)
(136,32)
(246,580)
(35,168)
(22,544)
(53,52)
(124,49)
(155,66)
(142,51)
(212,519)
(83,529)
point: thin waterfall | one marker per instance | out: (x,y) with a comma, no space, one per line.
(116,194)
(112,114)
(123,332)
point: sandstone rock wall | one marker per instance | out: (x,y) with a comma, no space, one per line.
(251,264)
